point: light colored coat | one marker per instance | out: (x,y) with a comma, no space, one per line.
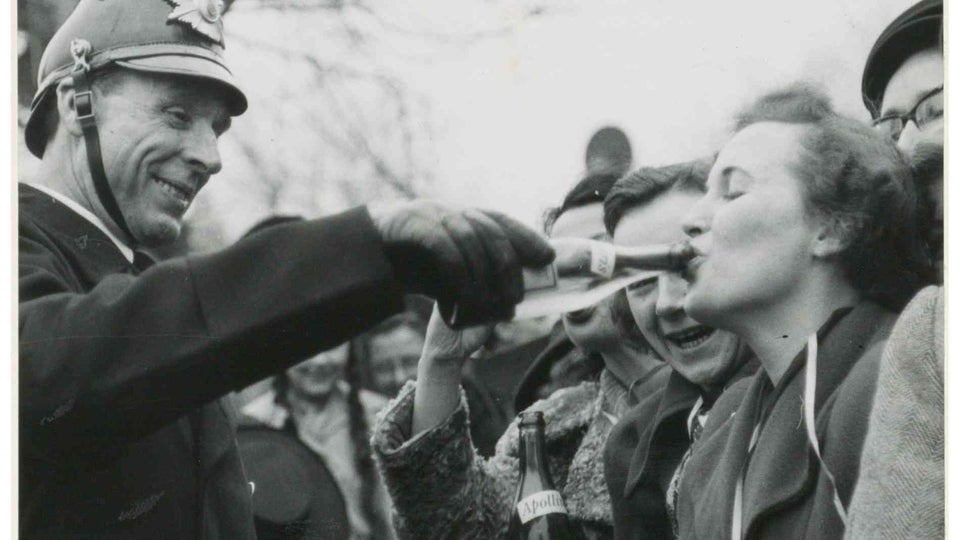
(901,489)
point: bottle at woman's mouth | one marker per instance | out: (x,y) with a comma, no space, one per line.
(585,272)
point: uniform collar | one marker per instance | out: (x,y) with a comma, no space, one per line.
(126,250)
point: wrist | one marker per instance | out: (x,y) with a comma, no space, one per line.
(440,366)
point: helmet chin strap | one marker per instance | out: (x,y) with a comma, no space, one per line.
(83,105)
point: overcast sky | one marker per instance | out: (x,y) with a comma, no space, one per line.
(517,112)
(513,113)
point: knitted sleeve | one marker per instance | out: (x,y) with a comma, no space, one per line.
(440,486)
(900,492)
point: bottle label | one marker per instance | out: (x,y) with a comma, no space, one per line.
(540,503)
(602,259)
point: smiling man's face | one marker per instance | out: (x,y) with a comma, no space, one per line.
(159,142)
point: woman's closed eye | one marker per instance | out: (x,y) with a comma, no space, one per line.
(732,194)
(641,285)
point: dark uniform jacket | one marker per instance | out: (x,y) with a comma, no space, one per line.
(122,432)
(644,450)
(786,493)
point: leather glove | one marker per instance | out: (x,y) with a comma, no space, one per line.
(469,261)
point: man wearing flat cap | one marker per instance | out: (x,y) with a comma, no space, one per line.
(900,491)
(903,90)
(122,362)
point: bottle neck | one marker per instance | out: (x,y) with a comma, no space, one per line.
(657,257)
(533,459)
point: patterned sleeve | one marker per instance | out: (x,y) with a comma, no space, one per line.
(440,486)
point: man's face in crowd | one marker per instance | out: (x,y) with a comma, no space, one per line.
(158,136)
(591,329)
(917,77)
(316,377)
(393,358)
(699,353)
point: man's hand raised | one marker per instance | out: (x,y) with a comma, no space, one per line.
(468,260)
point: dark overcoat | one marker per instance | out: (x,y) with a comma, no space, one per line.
(122,430)
(644,450)
(786,493)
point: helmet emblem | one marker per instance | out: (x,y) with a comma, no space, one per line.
(202,16)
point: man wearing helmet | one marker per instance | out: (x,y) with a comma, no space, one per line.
(122,430)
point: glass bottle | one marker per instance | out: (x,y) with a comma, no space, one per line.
(583,273)
(538,511)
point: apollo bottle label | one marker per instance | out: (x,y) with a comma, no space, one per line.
(539,504)
(603,257)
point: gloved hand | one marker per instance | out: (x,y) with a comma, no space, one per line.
(469,259)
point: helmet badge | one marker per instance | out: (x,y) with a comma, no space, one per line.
(203,16)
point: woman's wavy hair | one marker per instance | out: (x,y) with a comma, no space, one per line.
(591,189)
(861,181)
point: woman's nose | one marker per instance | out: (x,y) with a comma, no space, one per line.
(697,220)
(671,290)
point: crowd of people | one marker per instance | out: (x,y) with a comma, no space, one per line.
(787,382)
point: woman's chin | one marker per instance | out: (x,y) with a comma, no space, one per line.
(701,309)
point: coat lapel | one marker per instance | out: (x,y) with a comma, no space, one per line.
(96,255)
(218,428)
(677,398)
(783,468)
(723,448)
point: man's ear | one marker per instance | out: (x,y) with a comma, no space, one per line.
(65,106)
(834,235)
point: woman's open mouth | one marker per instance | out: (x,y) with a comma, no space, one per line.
(690,338)
(689,272)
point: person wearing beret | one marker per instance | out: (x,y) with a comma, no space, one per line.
(644,456)
(901,489)
(122,363)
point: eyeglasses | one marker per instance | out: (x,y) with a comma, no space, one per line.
(927,109)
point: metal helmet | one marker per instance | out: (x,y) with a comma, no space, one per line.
(180,37)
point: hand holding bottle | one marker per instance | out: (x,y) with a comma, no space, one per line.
(444,344)
(439,371)
(460,257)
